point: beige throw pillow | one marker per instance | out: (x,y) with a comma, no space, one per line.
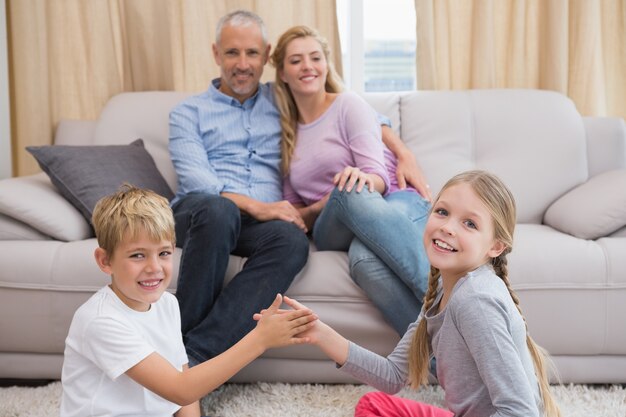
(592,210)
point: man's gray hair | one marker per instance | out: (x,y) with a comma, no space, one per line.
(240,18)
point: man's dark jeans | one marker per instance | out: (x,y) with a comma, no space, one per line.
(209,228)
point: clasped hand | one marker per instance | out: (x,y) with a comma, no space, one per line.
(310,332)
(279,210)
(278,327)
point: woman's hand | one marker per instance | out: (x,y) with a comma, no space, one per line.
(310,213)
(349,177)
(409,172)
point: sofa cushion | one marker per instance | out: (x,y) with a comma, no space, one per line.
(35,210)
(593,209)
(84,174)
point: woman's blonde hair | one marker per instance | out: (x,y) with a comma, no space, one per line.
(284,98)
(128,212)
(501,205)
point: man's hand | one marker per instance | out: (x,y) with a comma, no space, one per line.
(280,210)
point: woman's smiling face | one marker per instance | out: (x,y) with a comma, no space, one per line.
(305,67)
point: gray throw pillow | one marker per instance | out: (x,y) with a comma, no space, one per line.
(84,174)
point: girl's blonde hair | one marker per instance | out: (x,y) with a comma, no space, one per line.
(501,205)
(128,212)
(284,98)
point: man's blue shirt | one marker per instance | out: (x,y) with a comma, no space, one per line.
(220,145)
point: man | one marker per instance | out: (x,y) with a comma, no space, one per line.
(225,146)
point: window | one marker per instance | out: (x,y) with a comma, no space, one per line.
(378,44)
(5,119)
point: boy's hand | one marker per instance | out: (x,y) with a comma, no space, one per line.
(278,328)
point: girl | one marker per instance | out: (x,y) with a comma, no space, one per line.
(471,321)
(332,139)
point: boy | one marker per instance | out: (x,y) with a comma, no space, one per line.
(124,353)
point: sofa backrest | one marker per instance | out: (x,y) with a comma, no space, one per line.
(534,140)
(145,115)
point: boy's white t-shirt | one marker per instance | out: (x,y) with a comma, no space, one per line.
(107,338)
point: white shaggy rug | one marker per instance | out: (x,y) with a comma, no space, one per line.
(304,400)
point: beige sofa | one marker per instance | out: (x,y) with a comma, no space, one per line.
(568,174)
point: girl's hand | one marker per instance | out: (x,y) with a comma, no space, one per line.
(314,333)
(278,328)
(348,178)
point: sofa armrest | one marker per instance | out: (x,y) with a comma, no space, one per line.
(75,132)
(620,233)
(12,229)
(33,200)
(606,144)
(592,210)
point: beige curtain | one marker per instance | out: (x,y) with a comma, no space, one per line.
(67,58)
(576,47)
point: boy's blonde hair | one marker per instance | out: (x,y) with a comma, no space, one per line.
(128,212)
(500,203)
(284,98)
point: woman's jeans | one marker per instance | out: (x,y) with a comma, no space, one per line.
(383,237)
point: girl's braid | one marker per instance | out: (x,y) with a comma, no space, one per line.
(419,352)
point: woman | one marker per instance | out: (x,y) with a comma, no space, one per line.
(341,177)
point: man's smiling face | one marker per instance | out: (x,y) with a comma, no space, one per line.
(241,55)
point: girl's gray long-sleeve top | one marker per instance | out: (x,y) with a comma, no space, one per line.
(479,342)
